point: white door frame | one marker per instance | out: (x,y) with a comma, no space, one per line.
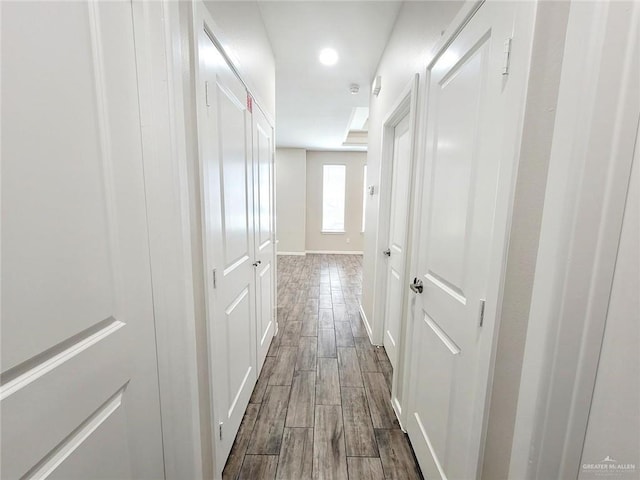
(406,104)
(593,146)
(159,46)
(163,41)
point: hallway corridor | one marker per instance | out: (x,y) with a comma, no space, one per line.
(321,408)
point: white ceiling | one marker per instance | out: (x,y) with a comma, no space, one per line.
(313,102)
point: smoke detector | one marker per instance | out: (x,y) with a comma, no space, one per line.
(354,88)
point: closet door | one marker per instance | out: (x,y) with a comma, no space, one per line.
(227,196)
(263,232)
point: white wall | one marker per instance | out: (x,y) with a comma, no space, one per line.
(244,36)
(614,419)
(418,27)
(291,199)
(352,239)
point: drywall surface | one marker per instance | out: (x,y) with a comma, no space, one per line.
(291,199)
(244,38)
(613,430)
(352,238)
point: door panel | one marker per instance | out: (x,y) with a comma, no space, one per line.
(232,132)
(227,194)
(99,449)
(467,113)
(441,395)
(23,412)
(263,151)
(399,218)
(237,316)
(79,373)
(453,174)
(266,327)
(79,296)
(449,236)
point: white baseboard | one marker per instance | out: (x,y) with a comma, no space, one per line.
(366,324)
(292,253)
(334,252)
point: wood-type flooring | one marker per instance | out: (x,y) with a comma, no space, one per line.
(321,408)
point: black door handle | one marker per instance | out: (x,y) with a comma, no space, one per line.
(416,286)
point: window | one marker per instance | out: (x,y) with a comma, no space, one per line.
(364,198)
(333,193)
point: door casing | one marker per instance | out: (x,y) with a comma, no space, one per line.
(595,135)
(406,105)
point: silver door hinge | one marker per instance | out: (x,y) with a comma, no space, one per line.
(220,429)
(206,94)
(482,303)
(215,283)
(506,56)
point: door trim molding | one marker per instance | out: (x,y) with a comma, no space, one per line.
(158,48)
(406,104)
(367,325)
(597,118)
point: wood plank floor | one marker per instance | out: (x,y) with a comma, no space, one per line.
(321,408)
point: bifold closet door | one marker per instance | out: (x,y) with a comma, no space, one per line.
(227,195)
(79,388)
(263,181)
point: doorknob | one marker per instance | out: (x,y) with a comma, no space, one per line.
(387,252)
(416,286)
(256,263)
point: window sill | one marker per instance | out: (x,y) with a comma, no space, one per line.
(332,232)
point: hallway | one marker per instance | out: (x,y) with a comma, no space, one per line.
(321,406)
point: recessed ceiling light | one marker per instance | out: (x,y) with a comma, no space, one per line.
(328,56)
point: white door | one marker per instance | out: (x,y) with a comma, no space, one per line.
(467,115)
(227,195)
(263,220)
(397,250)
(79,386)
